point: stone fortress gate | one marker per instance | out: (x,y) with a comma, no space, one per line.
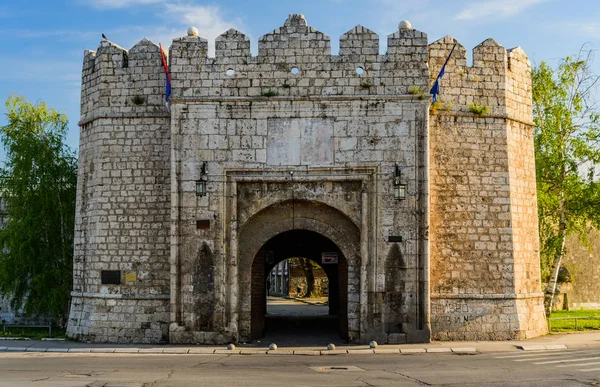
(430,211)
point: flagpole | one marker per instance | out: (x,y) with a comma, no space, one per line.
(447,60)
(435,89)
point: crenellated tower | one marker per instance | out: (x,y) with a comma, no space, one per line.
(429,211)
(121,263)
(485,282)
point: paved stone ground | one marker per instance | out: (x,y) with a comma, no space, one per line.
(278,306)
(299,322)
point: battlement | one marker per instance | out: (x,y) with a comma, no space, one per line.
(499,79)
(128,81)
(295,60)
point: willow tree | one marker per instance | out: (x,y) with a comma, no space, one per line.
(38,183)
(567,152)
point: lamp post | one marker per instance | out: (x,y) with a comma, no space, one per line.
(399,187)
(201,183)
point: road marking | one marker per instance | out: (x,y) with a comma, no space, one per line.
(536,358)
(567,360)
(522,355)
(567,355)
(529,356)
(579,365)
(590,370)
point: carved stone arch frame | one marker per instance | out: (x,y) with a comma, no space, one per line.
(355,237)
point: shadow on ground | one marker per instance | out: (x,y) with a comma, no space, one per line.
(293,323)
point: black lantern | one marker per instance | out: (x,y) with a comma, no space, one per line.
(201,184)
(399,188)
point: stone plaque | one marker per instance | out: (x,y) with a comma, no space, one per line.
(300,141)
(110,277)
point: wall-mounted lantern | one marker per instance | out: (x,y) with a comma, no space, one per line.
(399,187)
(201,183)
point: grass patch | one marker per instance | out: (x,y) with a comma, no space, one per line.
(479,110)
(571,324)
(439,105)
(33,333)
(366,85)
(270,93)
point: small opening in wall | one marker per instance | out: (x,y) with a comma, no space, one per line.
(360,71)
(230,72)
(295,70)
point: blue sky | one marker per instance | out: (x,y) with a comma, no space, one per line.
(43,40)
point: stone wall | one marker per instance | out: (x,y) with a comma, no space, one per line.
(298,138)
(484,248)
(261,122)
(583,263)
(123,203)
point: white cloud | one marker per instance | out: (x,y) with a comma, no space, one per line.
(495,8)
(177,17)
(110,4)
(207,19)
(589,29)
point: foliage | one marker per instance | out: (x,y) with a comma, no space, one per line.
(366,84)
(570,324)
(38,183)
(480,110)
(442,106)
(418,91)
(270,93)
(308,266)
(567,148)
(33,333)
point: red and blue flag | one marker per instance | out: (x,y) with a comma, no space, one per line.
(168,91)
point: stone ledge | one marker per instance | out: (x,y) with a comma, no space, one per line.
(87,120)
(437,296)
(286,98)
(499,116)
(122,296)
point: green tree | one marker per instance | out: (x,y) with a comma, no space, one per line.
(567,151)
(38,183)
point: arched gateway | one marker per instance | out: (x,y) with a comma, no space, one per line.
(300,229)
(295,151)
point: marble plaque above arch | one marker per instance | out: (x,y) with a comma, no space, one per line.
(300,141)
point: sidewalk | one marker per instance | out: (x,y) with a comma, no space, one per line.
(549,342)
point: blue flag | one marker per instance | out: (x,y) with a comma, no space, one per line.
(435,89)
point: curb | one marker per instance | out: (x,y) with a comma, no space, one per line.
(278,352)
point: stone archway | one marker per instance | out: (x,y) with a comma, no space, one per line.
(309,245)
(291,215)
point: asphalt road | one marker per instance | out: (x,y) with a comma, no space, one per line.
(548,368)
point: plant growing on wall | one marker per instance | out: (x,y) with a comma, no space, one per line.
(480,110)
(567,149)
(270,93)
(38,182)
